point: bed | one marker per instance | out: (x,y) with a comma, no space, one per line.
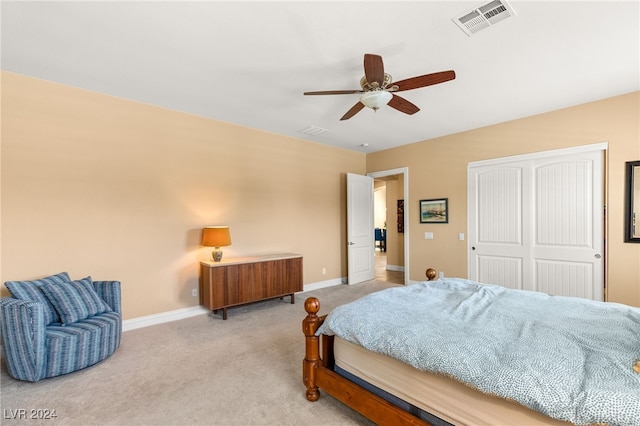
(547,360)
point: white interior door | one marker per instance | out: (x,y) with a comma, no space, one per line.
(360,241)
(537,222)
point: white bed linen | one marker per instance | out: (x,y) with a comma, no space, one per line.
(439,395)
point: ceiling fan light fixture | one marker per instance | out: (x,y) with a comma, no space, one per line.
(376,99)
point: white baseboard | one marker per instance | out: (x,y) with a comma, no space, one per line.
(323,284)
(178,314)
(395,268)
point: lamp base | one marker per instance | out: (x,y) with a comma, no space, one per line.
(216,254)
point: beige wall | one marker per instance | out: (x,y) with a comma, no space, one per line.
(379,204)
(438,168)
(100,186)
(395,240)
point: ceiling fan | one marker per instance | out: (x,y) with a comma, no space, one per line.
(377,88)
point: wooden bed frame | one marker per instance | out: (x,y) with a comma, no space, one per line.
(317,373)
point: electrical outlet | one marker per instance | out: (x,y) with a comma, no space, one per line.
(194,292)
(324,271)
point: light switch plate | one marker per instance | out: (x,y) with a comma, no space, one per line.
(428,235)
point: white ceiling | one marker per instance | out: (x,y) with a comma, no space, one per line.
(249,62)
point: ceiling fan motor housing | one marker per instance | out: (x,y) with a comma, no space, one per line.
(366,86)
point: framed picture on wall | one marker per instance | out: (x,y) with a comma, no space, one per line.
(400,216)
(434,211)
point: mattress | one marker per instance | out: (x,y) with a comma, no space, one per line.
(439,395)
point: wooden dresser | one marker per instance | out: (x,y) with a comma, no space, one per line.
(242,280)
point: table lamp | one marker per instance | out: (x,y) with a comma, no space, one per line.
(216,236)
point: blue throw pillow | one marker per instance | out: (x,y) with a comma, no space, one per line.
(75,300)
(30,290)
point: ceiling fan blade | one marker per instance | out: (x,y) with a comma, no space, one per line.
(424,80)
(353,111)
(334,92)
(373,68)
(403,105)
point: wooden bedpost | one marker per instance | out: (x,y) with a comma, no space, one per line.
(312,347)
(430,273)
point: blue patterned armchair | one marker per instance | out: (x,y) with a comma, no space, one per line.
(54,325)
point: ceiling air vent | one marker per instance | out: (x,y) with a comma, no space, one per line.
(313,130)
(484,16)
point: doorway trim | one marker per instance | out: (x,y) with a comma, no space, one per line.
(392,172)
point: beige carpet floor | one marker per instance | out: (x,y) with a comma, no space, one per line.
(197,371)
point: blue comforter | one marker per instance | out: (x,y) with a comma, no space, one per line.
(569,358)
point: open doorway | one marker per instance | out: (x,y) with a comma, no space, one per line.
(384,219)
(391,255)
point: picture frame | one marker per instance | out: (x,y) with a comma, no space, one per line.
(632,202)
(435,210)
(400,207)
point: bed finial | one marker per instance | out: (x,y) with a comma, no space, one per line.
(431,274)
(312,305)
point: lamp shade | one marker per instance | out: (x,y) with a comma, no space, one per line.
(376,99)
(216,236)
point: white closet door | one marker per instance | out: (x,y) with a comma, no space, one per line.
(536,222)
(568,232)
(500,245)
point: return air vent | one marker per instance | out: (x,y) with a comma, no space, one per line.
(484,16)
(313,130)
